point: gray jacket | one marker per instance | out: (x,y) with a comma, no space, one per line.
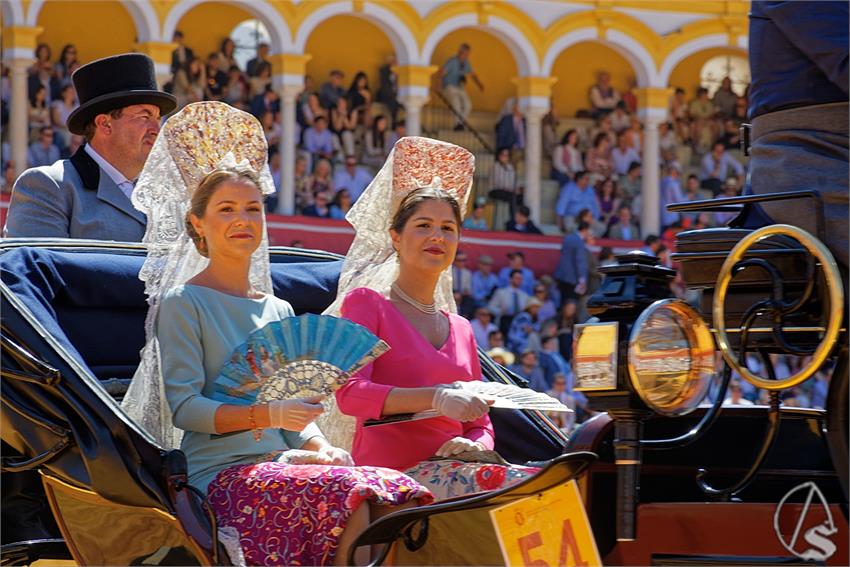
(73,198)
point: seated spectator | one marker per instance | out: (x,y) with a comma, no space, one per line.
(702,112)
(606,256)
(598,161)
(730,189)
(341,204)
(268,101)
(549,124)
(508,301)
(388,87)
(548,308)
(321,181)
(42,73)
(399,132)
(731,136)
(604,127)
(377,143)
(66,64)
(484,281)
(671,192)
(516,261)
(565,421)
(741,110)
(304,113)
(274,168)
(624,154)
(575,196)
(597,227)
(624,228)
(566,158)
(566,328)
(319,208)
(360,98)
(258,83)
(679,115)
(318,140)
(724,99)
(190,83)
(635,134)
(43,151)
(552,291)
(39,112)
(629,96)
(216,78)
(353,177)
(652,244)
(332,90)
(252,69)
(303,194)
(475,220)
(482,326)
(522,222)
(529,369)
(603,96)
(552,363)
(59,112)
(236,89)
(342,123)
(621,120)
(496,339)
(609,202)
(668,144)
(510,130)
(501,356)
(736,395)
(714,168)
(226,55)
(271,128)
(525,327)
(503,188)
(631,184)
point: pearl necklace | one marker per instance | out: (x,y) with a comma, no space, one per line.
(428,308)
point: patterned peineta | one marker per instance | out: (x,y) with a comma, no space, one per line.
(424,162)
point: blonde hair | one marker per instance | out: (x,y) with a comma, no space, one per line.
(206,189)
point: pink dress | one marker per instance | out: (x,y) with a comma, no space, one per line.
(413,362)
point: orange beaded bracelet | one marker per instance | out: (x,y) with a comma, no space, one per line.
(252,421)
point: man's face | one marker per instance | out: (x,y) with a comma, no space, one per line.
(460,260)
(319,125)
(262,51)
(46,138)
(582,183)
(693,184)
(625,216)
(336,80)
(485,267)
(718,150)
(516,279)
(351,165)
(134,133)
(530,359)
(463,54)
(483,315)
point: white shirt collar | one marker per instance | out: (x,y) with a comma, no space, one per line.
(110,170)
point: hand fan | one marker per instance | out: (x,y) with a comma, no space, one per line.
(505,396)
(294,358)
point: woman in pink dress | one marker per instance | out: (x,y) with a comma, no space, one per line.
(432,349)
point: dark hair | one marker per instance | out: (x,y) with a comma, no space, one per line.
(33,94)
(68,47)
(598,139)
(579,175)
(338,197)
(606,252)
(411,202)
(41,46)
(224,43)
(566,139)
(634,165)
(582,226)
(91,128)
(515,272)
(524,211)
(206,189)
(379,138)
(650,240)
(359,75)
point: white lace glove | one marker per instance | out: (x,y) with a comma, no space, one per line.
(455,402)
(336,456)
(296,414)
(458,445)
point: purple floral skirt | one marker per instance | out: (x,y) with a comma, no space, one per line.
(294,514)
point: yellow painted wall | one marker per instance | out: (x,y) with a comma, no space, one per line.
(350,44)
(206,25)
(491,60)
(576,69)
(97,28)
(686,73)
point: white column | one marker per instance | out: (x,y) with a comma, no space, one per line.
(534,108)
(650,212)
(289,88)
(413,98)
(18,123)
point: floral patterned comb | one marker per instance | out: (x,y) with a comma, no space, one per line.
(202,134)
(423,162)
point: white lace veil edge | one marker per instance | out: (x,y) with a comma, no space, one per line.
(172,259)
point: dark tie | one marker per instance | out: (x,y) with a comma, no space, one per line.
(516,303)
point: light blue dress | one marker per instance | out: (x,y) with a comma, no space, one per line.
(198,329)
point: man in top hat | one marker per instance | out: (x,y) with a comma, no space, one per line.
(88,195)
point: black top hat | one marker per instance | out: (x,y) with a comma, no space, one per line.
(116,82)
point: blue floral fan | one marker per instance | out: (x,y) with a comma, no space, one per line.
(296,357)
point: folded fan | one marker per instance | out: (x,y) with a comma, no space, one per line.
(504,396)
(294,358)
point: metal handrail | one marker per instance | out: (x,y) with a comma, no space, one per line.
(463,121)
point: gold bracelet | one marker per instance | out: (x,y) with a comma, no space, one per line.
(252,421)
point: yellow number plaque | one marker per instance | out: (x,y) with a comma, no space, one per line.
(546,530)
